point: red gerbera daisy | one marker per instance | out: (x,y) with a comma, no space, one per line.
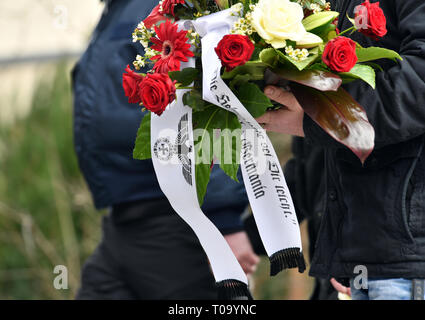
(168,6)
(173,47)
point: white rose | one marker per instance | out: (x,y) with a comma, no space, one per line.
(279,20)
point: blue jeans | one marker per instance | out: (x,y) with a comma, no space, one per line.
(383,289)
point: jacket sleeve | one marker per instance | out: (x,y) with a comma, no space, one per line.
(228,220)
(396,109)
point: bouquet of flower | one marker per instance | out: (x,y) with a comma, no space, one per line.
(209,62)
(296,41)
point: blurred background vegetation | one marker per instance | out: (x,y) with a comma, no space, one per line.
(47,216)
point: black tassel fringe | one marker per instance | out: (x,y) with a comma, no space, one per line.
(287,259)
(233,290)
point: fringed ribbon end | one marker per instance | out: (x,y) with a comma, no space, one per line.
(287,259)
(233,290)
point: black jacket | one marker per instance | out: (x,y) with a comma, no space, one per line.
(375,214)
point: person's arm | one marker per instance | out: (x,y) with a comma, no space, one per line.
(396,109)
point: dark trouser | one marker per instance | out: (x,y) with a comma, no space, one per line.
(147,252)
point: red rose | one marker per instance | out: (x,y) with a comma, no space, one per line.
(157,91)
(340,54)
(168,6)
(234,50)
(130,83)
(370,20)
(154,17)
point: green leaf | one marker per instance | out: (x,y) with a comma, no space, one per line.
(301,65)
(254,68)
(256,54)
(375,53)
(142,147)
(374,66)
(321,66)
(208,145)
(203,145)
(194,100)
(227,145)
(326,32)
(363,72)
(184,77)
(239,80)
(254,100)
(319,19)
(269,56)
(202,176)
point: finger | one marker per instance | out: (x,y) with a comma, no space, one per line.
(284,97)
(274,124)
(253,268)
(249,268)
(269,127)
(339,287)
(249,262)
(265,118)
(256,259)
(277,94)
(253,259)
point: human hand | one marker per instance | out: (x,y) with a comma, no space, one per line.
(340,288)
(242,249)
(288,119)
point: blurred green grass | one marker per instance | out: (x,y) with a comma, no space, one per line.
(46,214)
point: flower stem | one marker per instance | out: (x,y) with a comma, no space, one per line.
(353,28)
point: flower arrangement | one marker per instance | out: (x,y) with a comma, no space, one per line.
(208,63)
(291,42)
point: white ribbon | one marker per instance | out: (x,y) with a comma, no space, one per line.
(174,162)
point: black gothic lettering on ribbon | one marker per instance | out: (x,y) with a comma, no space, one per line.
(251,170)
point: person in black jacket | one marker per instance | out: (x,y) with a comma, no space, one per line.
(147,251)
(304,173)
(374,222)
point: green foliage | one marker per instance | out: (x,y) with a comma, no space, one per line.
(194,100)
(359,71)
(142,146)
(300,65)
(238,81)
(375,53)
(215,142)
(319,19)
(326,32)
(255,69)
(270,57)
(276,58)
(184,77)
(253,98)
(46,214)
(307,3)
